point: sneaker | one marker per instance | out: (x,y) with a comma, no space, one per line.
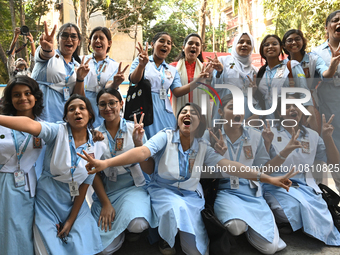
(165,248)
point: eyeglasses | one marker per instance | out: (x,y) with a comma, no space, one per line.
(291,40)
(112,104)
(65,36)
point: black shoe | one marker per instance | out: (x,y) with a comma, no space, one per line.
(285,228)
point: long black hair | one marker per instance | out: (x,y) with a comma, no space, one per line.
(7,106)
(76,53)
(186,39)
(203,123)
(299,33)
(157,36)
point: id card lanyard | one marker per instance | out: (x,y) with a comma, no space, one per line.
(113,151)
(234,180)
(74,164)
(113,170)
(269,85)
(19,175)
(162,91)
(20,153)
(99,73)
(188,165)
(66,89)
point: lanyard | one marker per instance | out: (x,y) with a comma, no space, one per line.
(100,72)
(162,74)
(69,75)
(187,163)
(113,152)
(238,152)
(269,85)
(20,154)
(74,164)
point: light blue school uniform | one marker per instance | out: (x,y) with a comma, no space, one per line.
(128,200)
(246,202)
(51,76)
(177,208)
(277,77)
(163,116)
(304,206)
(232,75)
(329,92)
(103,71)
(16,203)
(53,200)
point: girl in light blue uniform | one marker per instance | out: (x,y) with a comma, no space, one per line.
(239,204)
(22,97)
(57,71)
(162,76)
(104,71)
(63,221)
(303,207)
(238,71)
(274,74)
(119,190)
(329,89)
(176,194)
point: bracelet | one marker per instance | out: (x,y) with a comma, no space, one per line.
(48,51)
(79,80)
(281,157)
(259,176)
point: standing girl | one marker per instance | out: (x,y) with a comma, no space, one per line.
(63,221)
(119,191)
(58,71)
(162,77)
(102,68)
(18,153)
(274,74)
(237,70)
(176,194)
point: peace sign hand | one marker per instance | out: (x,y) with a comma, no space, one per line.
(205,71)
(46,39)
(335,60)
(138,131)
(219,146)
(119,76)
(293,143)
(327,127)
(143,54)
(252,83)
(94,165)
(215,63)
(267,134)
(283,181)
(83,69)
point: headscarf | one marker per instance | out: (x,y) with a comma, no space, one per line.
(242,63)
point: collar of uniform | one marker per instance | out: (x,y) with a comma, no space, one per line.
(277,66)
(90,140)
(122,126)
(106,59)
(61,56)
(245,134)
(176,139)
(282,129)
(305,58)
(325,45)
(163,63)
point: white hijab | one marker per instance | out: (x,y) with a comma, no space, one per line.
(242,63)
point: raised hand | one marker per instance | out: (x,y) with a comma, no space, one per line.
(47,39)
(143,54)
(94,165)
(215,63)
(205,73)
(83,69)
(119,76)
(138,131)
(327,127)
(335,60)
(107,215)
(219,146)
(17,31)
(293,142)
(267,134)
(30,37)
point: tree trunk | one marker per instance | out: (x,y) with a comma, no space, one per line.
(3,56)
(83,25)
(201,22)
(24,52)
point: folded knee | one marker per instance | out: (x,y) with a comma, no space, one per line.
(138,225)
(236,227)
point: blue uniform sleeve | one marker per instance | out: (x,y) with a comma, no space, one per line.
(261,155)
(89,179)
(176,83)
(157,142)
(49,132)
(211,157)
(272,152)
(320,66)
(300,80)
(321,151)
(134,66)
(206,136)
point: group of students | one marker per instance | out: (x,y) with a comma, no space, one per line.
(149,177)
